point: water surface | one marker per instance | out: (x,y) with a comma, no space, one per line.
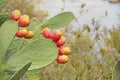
(93,9)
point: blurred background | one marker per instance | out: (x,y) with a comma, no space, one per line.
(93,36)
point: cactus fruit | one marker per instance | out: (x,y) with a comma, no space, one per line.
(15,15)
(46,32)
(21,33)
(56,35)
(29,35)
(64,51)
(61,41)
(62,59)
(24,21)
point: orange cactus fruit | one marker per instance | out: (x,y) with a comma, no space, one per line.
(61,41)
(29,35)
(21,33)
(56,35)
(15,15)
(64,51)
(24,21)
(46,32)
(62,59)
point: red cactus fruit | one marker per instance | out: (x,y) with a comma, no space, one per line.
(21,33)
(64,51)
(24,21)
(61,41)
(15,15)
(29,35)
(46,32)
(62,59)
(56,35)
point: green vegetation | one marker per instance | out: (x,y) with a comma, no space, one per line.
(18,59)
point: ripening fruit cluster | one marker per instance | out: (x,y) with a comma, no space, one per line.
(23,21)
(59,40)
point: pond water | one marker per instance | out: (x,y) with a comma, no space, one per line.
(92,9)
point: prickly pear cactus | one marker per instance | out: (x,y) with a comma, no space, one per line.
(22,52)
